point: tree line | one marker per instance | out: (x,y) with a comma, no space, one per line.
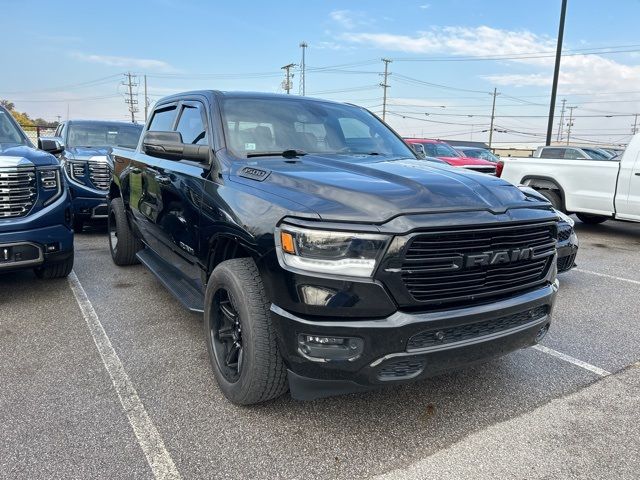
(23,118)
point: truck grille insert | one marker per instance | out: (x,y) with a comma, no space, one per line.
(435,337)
(467,266)
(488,169)
(18,191)
(99,174)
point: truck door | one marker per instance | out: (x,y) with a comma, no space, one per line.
(172,191)
(628,202)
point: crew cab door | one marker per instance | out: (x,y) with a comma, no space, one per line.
(628,194)
(172,192)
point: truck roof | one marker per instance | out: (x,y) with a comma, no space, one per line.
(244,94)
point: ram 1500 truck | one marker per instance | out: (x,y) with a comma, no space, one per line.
(324,255)
(35,207)
(594,189)
(83,148)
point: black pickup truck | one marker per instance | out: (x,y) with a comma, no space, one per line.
(325,256)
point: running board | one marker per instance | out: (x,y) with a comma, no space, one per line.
(173,280)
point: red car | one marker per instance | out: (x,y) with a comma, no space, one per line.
(444,151)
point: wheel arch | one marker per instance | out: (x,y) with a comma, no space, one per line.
(540,182)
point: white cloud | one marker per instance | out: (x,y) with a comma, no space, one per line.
(425,6)
(125,62)
(350,19)
(584,73)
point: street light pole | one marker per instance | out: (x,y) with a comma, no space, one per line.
(556,72)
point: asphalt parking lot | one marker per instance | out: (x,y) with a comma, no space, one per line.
(149,408)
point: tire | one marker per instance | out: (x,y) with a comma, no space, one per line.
(591,219)
(55,270)
(260,373)
(122,242)
(78,225)
(554,198)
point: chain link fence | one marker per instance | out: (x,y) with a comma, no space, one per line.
(36,131)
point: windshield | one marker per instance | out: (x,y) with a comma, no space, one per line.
(103,135)
(480,153)
(255,126)
(10,134)
(596,154)
(440,150)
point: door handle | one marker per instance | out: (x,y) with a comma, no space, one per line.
(135,170)
(163,179)
(637,174)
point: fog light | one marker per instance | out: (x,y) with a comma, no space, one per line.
(51,247)
(330,348)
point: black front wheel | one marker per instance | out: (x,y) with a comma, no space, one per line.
(240,338)
(122,242)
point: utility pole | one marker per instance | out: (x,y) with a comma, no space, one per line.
(556,72)
(303,77)
(570,123)
(132,102)
(560,129)
(493,115)
(286,84)
(146,100)
(384,86)
(634,128)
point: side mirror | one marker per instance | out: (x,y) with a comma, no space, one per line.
(52,145)
(169,145)
(419,149)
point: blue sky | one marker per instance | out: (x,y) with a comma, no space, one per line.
(70,58)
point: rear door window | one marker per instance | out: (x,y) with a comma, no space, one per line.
(552,153)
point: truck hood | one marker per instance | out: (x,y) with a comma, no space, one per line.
(462,161)
(374,189)
(85,153)
(24,156)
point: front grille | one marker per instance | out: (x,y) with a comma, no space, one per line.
(438,268)
(435,337)
(99,174)
(564,232)
(18,191)
(488,169)
(401,368)
(566,263)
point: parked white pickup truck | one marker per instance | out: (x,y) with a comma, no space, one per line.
(595,190)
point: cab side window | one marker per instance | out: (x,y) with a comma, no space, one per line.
(162,120)
(573,154)
(192,126)
(552,153)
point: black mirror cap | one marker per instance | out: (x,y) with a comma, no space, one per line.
(169,145)
(51,145)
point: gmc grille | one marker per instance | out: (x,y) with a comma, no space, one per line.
(18,191)
(99,174)
(468,266)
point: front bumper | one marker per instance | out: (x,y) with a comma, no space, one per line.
(390,354)
(87,203)
(567,251)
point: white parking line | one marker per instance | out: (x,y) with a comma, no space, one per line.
(148,437)
(635,282)
(573,360)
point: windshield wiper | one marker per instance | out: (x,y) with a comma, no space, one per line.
(291,153)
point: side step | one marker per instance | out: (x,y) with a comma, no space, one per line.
(173,280)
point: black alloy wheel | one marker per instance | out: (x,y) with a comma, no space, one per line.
(226,336)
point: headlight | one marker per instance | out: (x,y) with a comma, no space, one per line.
(50,184)
(75,170)
(565,218)
(337,253)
